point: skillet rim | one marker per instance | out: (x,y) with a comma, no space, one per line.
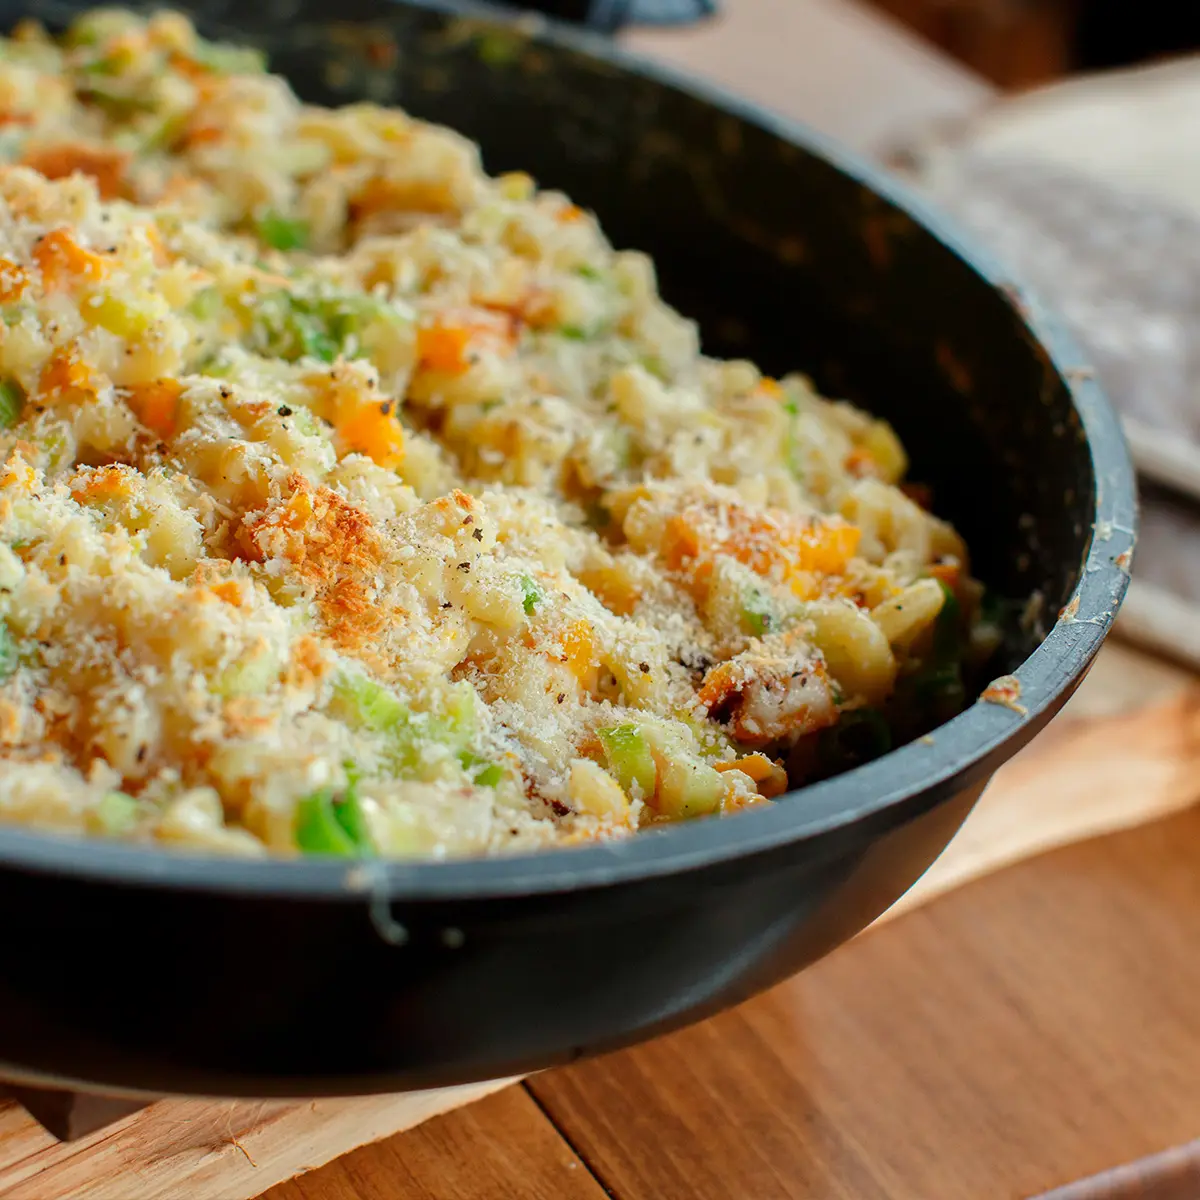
(890,789)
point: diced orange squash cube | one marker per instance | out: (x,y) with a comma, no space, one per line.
(156,405)
(63,261)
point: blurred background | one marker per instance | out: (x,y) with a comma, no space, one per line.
(1011,43)
(1018,43)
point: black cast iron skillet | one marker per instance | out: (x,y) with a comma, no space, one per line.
(148,971)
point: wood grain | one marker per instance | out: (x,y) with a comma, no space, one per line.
(204,1149)
(502,1146)
(1031,1028)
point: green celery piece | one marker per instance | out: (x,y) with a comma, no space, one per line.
(629,758)
(531,594)
(12,400)
(689,787)
(656,367)
(365,704)
(165,132)
(351,321)
(791,450)
(622,444)
(346,315)
(369,705)
(452,725)
(315,340)
(574,333)
(96,25)
(329,825)
(283,233)
(229,60)
(116,813)
(490,776)
(589,272)
(290,327)
(757,613)
(348,812)
(938,686)
(206,304)
(305,422)
(9,659)
(318,830)
(247,678)
(116,98)
(483,773)
(947,632)
(455,720)
(99,66)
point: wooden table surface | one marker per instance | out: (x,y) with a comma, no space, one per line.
(1030,1029)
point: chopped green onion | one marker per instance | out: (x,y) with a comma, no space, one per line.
(163,132)
(791,445)
(9,660)
(531,594)
(205,304)
(288,326)
(484,773)
(349,814)
(283,233)
(317,343)
(688,786)
(938,685)
(249,677)
(629,758)
(224,59)
(12,400)
(326,824)
(757,613)
(575,333)
(98,25)
(947,631)
(367,704)
(116,813)
(100,66)
(116,98)
(588,272)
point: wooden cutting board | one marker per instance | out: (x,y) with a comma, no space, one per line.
(1125,750)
